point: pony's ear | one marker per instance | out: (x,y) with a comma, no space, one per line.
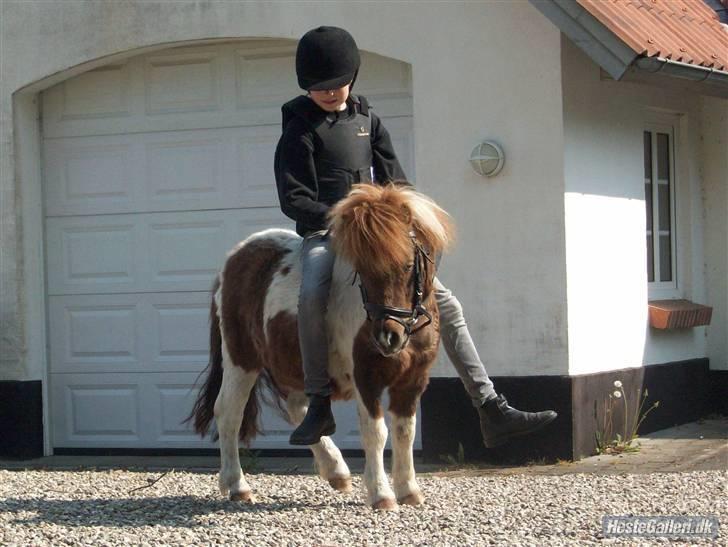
(407,214)
(431,222)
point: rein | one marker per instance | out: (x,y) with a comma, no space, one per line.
(408,318)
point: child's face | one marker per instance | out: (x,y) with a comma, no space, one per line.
(331,100)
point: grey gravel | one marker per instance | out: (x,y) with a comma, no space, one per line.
(98,508)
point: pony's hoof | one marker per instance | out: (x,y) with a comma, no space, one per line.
(341,484)
(245,497)
(415,498)
(385,504)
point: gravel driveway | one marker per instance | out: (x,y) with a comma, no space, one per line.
(100,508)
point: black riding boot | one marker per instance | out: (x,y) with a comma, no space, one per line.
(499,422)
(319,422)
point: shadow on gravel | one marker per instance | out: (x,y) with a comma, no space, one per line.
(177,511)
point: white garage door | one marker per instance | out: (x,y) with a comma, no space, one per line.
(153,168)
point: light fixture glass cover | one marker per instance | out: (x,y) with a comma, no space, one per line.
(487,158)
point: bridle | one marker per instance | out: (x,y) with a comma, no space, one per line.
(408,318)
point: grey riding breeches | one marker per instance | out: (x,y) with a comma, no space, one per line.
(460,348)
(317,269)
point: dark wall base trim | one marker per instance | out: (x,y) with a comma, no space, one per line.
(21,419)
(449,419)
(718,380)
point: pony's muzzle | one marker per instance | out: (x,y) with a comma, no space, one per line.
(391,338)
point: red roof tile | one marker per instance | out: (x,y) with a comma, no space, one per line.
(687,31)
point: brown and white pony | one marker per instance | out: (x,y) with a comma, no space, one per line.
(388,236)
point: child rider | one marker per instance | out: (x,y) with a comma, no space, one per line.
(331,140)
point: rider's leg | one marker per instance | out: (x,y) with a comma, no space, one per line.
(317,267)
(498,421)
(460,348)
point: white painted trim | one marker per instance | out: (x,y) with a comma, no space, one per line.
(28,181)
(667,123)
(63,75)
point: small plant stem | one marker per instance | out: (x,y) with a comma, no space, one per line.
(654,405)
(626,414)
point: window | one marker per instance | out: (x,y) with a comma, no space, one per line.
(660,203)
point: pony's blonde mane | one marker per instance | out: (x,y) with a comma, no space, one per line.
(372,225)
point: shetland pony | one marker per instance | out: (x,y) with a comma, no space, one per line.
(383,334)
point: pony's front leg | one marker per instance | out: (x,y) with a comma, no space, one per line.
(330,463)
(374,437)
(229,406)
(403,470)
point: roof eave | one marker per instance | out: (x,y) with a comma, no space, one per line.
(585,30)
(617,58)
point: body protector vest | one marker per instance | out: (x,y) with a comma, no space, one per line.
(342,145)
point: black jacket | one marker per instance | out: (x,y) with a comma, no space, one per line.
(321,154)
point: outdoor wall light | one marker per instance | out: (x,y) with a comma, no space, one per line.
(487,159)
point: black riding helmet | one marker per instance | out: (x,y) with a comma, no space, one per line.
(326,58)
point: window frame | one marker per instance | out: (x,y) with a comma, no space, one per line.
(669,126)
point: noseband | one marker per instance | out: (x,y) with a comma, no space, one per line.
(408,318)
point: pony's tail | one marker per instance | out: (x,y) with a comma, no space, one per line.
(203,410)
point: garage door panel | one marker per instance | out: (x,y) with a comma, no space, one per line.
(188,81)
(130,332)
(158,252)
(93,336)
(255,152)
(124,410)
(90,174)
(175,403)
(186,171)
(186,253)
(170,171)
(100,413)
(180,332)
(93,255)
(265,76)
(100,93)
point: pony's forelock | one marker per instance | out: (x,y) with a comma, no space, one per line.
(372,225)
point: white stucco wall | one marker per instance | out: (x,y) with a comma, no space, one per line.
(605,218)
(714,173)
(474,77)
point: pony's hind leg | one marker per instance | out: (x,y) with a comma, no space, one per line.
(229,407)
(330,463)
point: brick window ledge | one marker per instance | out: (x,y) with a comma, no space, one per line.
(678,314)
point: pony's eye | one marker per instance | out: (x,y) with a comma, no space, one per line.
(408,268)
